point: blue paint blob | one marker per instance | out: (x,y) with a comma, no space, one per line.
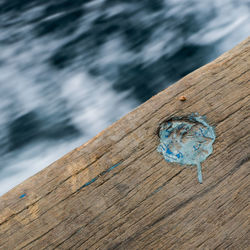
(22,196)
(187,141)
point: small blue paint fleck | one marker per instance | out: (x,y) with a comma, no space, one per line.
(178,156)
(169,151)
(101,174)
(22,196)
(88,183)
(158,189)
(116,165)
(180,126)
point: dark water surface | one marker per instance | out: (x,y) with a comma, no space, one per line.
(68,69)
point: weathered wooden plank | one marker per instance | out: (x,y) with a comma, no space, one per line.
(117,192)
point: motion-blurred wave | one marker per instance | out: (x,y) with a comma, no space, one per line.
(68,69)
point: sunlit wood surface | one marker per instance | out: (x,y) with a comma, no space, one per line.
(117,192)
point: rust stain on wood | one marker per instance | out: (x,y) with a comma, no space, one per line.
(182,98)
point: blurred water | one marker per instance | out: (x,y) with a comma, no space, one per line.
(68,69)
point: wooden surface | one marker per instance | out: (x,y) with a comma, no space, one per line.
(143,202)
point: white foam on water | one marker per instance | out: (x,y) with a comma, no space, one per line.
(92,103)
(32,159)
(92,109)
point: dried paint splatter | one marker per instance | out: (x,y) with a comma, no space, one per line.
(22,196)
(186,140)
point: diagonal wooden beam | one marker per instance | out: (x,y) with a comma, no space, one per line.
(117,192)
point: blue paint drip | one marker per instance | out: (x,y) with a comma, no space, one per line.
(199,173)
(22,196)
(101,174)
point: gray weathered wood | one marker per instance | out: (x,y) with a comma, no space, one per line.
(145,202)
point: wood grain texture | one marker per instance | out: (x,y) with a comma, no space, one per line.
(143,202)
